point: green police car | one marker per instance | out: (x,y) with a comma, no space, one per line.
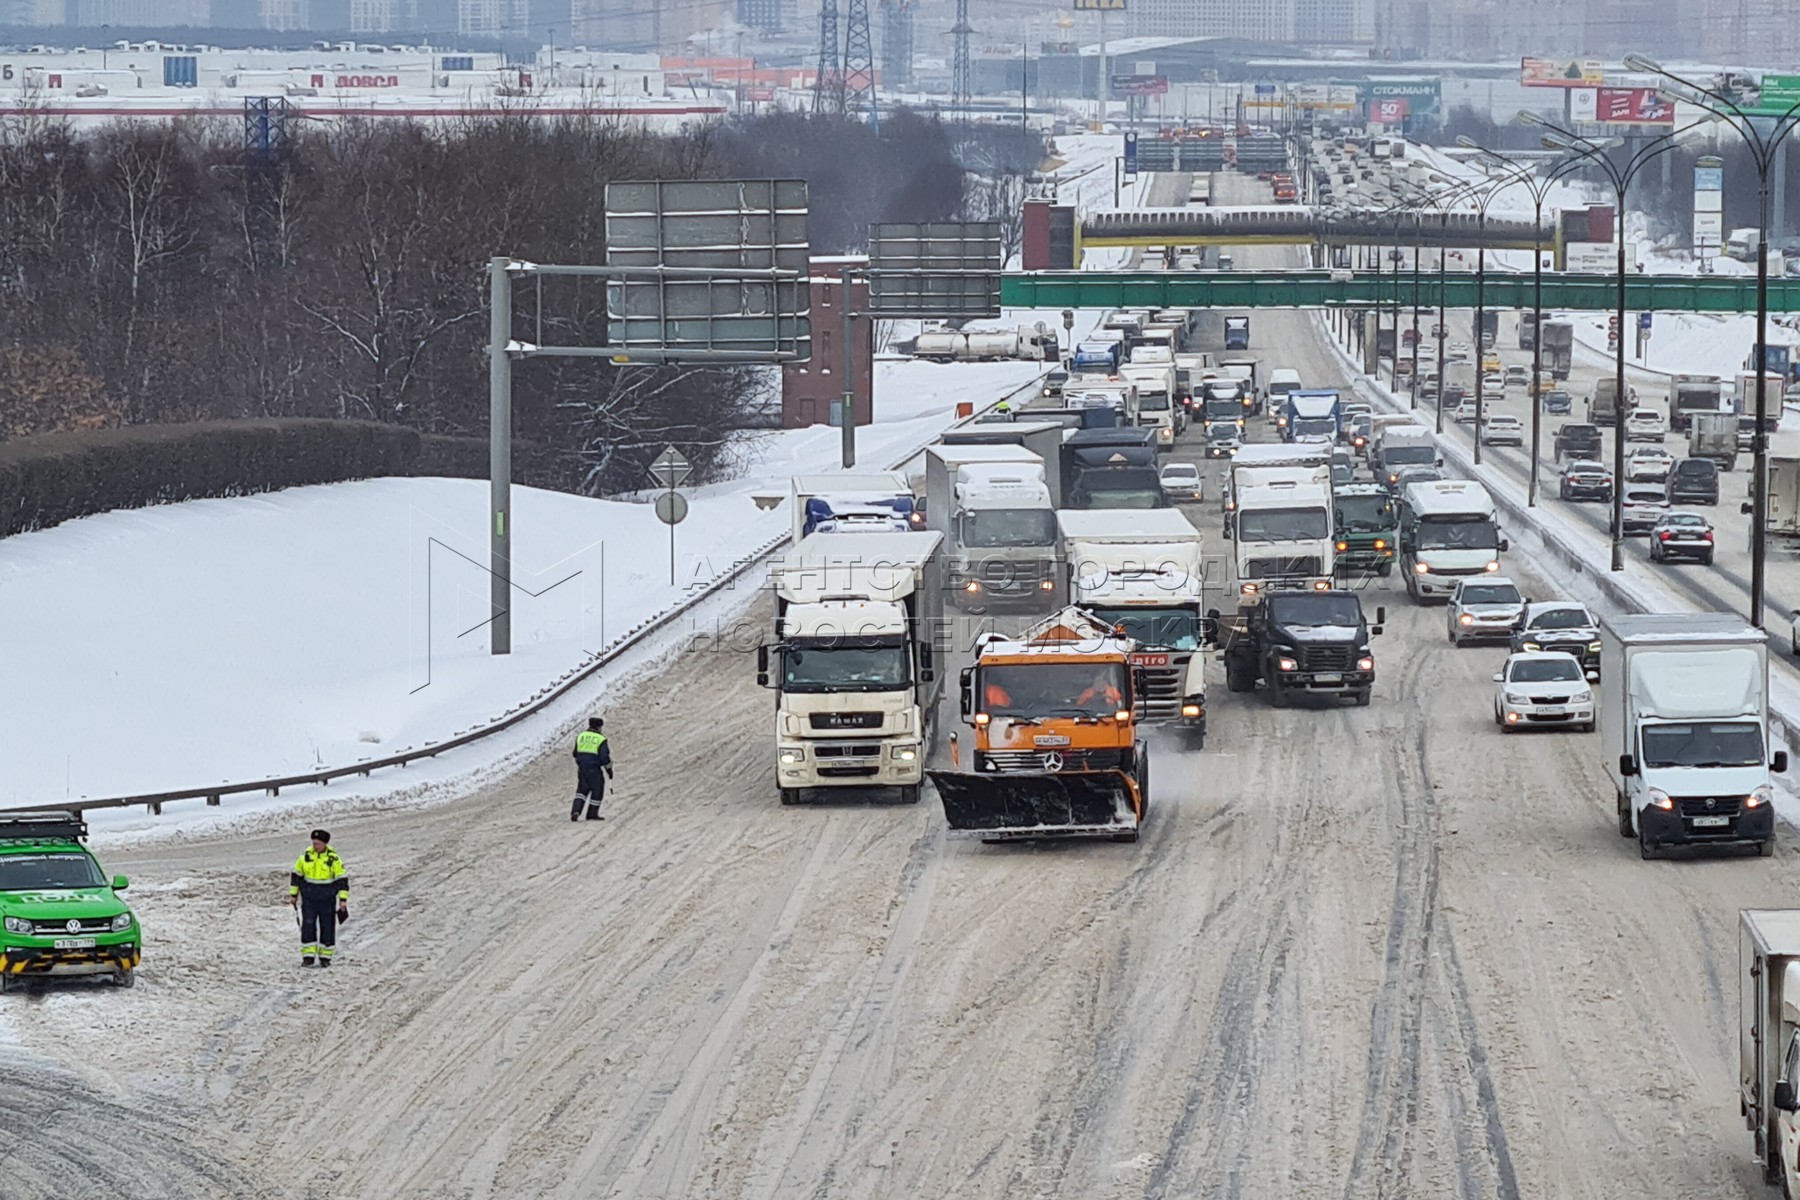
(59,913)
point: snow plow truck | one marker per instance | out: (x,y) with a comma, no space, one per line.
(1056,752)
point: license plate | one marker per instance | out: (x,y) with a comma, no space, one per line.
(1049,740)
(74,943)
(1331,678)
(1708,822)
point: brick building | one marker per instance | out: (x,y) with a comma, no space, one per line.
(809,389)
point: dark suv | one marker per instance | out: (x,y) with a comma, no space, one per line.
(1559,625)
(1694,481)
(1578,441)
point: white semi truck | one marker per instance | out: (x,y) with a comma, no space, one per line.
(1684,730)
(1141,571)
(993,505)
(1155,399)
(853,661)
(1281,529)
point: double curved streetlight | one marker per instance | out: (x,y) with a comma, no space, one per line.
(1538,186)
(1620,176)
(1763,134)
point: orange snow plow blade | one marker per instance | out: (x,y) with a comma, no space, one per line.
(1007,805)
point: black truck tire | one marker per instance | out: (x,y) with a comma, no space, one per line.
(1362,697)
(1237,677)
(1625,829)
(1647,849)
(789,796)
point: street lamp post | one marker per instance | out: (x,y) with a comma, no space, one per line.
(1763,140)
(1538,186)
(1596,153)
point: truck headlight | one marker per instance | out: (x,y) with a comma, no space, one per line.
(1046,585)
(1593,647)
(1190,710)
(790,757)
(1492,566)
(972,586)
(1763,794)
(17,925)
(905,754)
(122,922)
(1286,664)
(1530,647)
(1465,619)
(1381,543)
(1366,663)
(1248,589)
(1420,568)
(1660,799)
(1343,546)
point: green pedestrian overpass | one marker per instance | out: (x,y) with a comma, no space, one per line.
(1369,289)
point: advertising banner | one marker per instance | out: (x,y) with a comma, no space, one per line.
(1561,72)
(1633,106)
(1389,111)
(1139,85)
(1584,105)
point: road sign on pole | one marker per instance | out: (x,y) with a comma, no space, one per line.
(671,510)
(670,468)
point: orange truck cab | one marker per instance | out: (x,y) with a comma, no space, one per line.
(1056,751)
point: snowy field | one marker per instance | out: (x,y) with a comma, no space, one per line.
(176,646)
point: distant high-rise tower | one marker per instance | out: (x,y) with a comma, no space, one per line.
(897,43)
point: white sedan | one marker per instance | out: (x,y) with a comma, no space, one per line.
(1544,688)
(1503,430)
(1649,464)
(1181,481)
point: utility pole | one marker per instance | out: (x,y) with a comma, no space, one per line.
(962,81)
(499,457)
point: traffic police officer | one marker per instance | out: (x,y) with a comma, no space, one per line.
(593,767)
(320,888)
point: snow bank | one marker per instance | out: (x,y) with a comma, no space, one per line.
(177,646)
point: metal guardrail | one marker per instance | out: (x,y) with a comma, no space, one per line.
(529,707)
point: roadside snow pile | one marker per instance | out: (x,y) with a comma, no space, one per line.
(189,644)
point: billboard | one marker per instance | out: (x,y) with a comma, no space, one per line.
(1423,94)
(1139,85)
(1389,111)
(1561,72)
(1099,5)
(1633,106)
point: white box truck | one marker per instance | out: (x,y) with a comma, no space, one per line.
(1782,522)
(994,508)
(1684,730)
(1769,1040)
(1155,399)
(1141,571)
(853,661)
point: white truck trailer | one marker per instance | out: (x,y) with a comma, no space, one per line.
(1155,399)
(853,661)
(1141,571)
(993,505)
(1684,730)
(1769,1040)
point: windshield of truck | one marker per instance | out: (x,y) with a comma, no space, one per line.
(1364,514)
(48,872)
(1458,534)
(1128,498)
(1401,456)
(1703,744)
(995,527)
(1153,402)
(1563,618)
(1155,628)
(1282,524)
(1052,689)
(845,665)
(1226,409)
(1310,426)
(1490,593)
(1561,669)
(1312,611)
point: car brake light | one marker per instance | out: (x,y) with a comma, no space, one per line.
(1709,535)
(1664,535)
